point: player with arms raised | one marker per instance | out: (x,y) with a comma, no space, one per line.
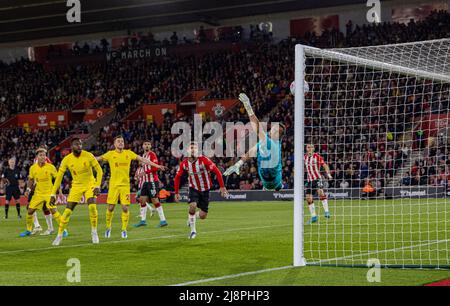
(313,164)
(198,168)
(81,164)
(267,150)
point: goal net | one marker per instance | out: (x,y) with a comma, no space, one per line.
(379,117)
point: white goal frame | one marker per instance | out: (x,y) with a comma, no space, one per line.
(301,52)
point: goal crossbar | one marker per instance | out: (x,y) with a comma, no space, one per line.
(351,59)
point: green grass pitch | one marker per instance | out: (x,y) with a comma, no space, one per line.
(236,238)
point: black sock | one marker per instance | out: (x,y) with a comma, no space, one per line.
(6,210)
(18,209)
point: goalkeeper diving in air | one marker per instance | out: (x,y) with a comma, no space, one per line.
(268,151)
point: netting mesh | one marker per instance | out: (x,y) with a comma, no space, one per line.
(429,56)
(379,119)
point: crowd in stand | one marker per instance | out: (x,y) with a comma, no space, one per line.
(432,167)
(26,86)
(359,141)
(21,144)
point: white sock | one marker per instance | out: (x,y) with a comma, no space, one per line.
(35,220)
(312,210)
(161,213)
(325,205)
(143,213)
(192,223)
(49,220)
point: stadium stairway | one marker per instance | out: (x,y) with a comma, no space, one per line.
(97,126)
(412,157)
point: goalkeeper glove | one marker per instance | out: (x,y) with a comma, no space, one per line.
(246,101)
(234,169)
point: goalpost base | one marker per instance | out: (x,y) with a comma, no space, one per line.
(300,263)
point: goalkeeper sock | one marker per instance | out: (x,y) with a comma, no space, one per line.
(29,222)
(312,209)
(93,216)
(125,217)
(6,210)
(65,218)
(109,216)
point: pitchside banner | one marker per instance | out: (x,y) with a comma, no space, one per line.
(288,194)
(282,195)
(415,192)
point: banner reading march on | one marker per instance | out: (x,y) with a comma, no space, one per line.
(137,53)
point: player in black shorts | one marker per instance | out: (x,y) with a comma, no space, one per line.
(314,187)
(199,197)
(198,168)
(10,177)
(149,187)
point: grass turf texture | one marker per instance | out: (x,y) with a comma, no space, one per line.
(236,238)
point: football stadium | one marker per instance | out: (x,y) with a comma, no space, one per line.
(225,143)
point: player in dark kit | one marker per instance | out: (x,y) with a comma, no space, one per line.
(10,177)
(198,168)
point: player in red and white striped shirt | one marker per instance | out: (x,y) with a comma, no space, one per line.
(148,178)
(198,168)
(313,164)
(141,177)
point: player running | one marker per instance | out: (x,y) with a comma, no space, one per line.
(40,179)
(81,164)
(267,151)
(119,161)
(148,189)
(313,164)
(198,168)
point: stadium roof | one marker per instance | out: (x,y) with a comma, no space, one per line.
(23,20)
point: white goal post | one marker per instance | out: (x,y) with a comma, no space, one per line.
(373,114)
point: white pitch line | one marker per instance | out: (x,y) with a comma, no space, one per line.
(207,280)
(138,239)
